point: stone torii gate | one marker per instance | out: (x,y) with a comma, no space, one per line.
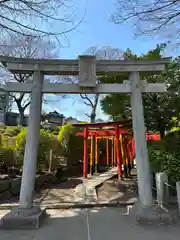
(87,68)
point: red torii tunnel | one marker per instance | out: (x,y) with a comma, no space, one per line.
(122,143)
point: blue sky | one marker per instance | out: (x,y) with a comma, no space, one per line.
(97,30)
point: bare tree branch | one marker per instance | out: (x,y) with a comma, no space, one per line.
(29,17)
(28,47)
(87,115)
(87,100)
(150,17)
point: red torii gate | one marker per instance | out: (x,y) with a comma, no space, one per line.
(99,130)
(119,127)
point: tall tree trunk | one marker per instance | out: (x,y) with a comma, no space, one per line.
(91,103)
(94,108)
(21,119)
(93,116)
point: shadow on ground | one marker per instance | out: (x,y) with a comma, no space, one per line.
(116,190)
(60,193)
(53,194)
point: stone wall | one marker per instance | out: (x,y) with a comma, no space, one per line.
(11,187)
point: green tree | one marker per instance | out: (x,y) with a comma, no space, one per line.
(159,108)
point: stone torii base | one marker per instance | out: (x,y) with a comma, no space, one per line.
(19,218)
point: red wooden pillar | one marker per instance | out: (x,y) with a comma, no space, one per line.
(85,165)
(112,151)
(91,155)
(128,160)
(107,151)
(118,151)
(133,148)
(130,149)
(115,153)
(96,155)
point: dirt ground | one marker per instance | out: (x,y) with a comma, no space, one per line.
(118,190)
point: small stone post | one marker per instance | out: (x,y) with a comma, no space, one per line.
(161,188)
(50,160)
(178,194)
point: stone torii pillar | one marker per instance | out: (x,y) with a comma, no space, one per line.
(136,87)
(27,215)
(142,161)
(32,143)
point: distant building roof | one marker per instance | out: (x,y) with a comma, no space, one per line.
(55,113)
(99,120)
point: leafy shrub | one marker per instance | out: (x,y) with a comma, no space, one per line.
(157,155)
(2,126)
(64,132)
(20,146)
(165,156)
(55,133)
(47,142)
(7,156)
(172,168)
(172,165)
(12,131)
(2,131)
(8,138)
(72,146)
(7,141)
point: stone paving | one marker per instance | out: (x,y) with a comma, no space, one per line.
(92,224)
(65,192)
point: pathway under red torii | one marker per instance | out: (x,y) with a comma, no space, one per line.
(120,133)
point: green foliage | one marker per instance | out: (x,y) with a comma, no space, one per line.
(65,131)
(65,148)
(8,138)
(20,138)
(72,146)
(117,106)
(47,142)
(7,156)
(157,155)
(8,141)
(2,126)
(7,145)
(165,156)
(56,131)
(12,131)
